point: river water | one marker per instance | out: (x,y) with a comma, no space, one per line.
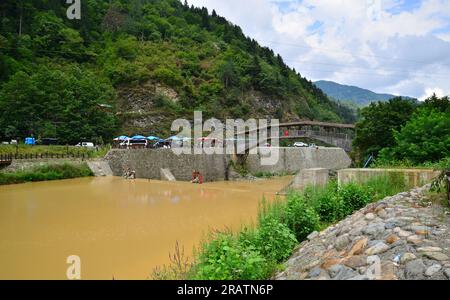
(119,229)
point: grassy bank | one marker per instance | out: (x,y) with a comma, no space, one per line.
(257,252)
(53,150)
(46,173)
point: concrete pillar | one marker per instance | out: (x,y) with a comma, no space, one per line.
(311,177)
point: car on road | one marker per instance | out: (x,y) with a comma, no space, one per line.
(300,145)
(85,145)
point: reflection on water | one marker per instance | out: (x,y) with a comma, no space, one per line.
(120,229)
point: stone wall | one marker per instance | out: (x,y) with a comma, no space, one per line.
(413,177)
(403,237)
(148,163)
(292,160)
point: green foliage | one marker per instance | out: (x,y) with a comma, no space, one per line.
(375,130)
(23,150)
(300,216)
(354,197)
(208,61)
(274,240)
(404,133)
(45,173)
(168,76)
(56,100)
(387,185)
(425,138)
(327,202)
(440,182)
(226,257)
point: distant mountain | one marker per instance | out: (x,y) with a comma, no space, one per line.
(356,95)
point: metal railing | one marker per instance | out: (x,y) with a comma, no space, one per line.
(311,133)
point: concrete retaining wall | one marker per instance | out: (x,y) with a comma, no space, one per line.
(148,164)
(414,177)
(310,177)
(292,160)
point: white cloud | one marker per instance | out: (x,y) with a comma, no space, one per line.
(430,91)
(384,45)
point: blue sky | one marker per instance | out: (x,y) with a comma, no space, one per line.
(393,46)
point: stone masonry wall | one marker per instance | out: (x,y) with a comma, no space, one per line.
(148,164)
(404,237)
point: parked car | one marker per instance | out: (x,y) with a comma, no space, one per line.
(85,145)
(300,145)
(313,146)
(14,142)
(134,144)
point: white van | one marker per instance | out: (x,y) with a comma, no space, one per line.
(85,145)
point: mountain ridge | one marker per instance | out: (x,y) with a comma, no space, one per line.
(353,94)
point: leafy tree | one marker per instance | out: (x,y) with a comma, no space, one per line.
(375,131)
(65,102)
(439,104)
(425,138)
(228,73)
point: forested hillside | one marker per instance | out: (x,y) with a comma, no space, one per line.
(134,66)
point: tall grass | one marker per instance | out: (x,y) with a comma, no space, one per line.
(256,252)
(387,185)
(53,150)
(46,173)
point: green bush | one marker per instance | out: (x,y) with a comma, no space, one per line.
(326,202)
(354,197)
(226,257)
(300,216)
(274,240)
(331,208)
(46,173)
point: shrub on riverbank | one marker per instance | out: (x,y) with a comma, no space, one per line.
(46,173)
(53,150)
(254,253)
(230,257)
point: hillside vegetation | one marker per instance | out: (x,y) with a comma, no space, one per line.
(134,66)
(402,132)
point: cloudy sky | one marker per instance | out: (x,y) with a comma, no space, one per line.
(391,46)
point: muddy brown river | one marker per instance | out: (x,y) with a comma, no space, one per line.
(119,229)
